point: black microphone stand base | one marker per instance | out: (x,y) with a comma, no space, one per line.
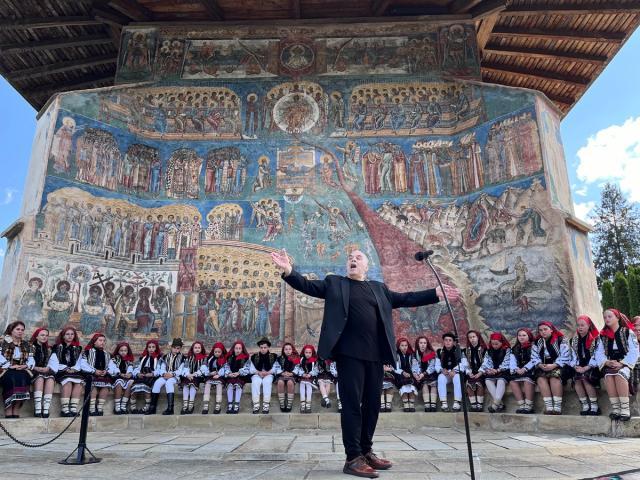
(80,458)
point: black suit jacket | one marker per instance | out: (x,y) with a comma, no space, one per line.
(335,291)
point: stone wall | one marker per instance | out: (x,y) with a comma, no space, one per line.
(152,206)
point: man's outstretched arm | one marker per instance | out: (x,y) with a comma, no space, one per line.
(313,288)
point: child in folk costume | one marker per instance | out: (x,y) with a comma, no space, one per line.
(122,360)
(66,363)
(325,380)
(334,371)
(192,374)
(635,374)
(550,352)
(169,374)
(145,375)
(263,368)
(215,378)
(388,384)
(616,356)
(16,362)
(306,372)
(495,369)
(404,374)
(43,374)
(448,367)
(424,372)
(474,353)
(96,360)
(288,360)
(522,368)
(236,371)
(583,361)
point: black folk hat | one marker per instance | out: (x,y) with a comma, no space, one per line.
(177,342)
(262,341)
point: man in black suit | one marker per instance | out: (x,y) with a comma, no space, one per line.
(357,332)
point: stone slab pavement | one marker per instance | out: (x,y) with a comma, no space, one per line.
(420,453)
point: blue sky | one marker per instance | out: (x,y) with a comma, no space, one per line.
(601,137)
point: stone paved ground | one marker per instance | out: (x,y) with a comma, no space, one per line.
(422,453)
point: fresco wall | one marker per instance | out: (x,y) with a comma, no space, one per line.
(157,203)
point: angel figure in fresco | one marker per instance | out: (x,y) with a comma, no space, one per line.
(61,145)
(335,214)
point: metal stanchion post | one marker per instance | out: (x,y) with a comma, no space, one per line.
(81,449)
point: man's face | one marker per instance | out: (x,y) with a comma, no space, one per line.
(357,265)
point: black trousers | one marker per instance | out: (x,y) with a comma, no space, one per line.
(360,388)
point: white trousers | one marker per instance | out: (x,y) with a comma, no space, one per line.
(168,383)
(443,381)
(265,383)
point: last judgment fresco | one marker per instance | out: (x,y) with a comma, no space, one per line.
(159,200)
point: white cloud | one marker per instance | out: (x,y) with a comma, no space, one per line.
(1,252)
(583,209)
(9,195)
(613,154)
(581,192)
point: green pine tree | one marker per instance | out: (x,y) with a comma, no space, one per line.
(607,294)
(634,293)
(621,293)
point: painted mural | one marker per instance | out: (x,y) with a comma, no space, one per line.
(161,201)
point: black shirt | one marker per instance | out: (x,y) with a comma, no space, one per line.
(363,336)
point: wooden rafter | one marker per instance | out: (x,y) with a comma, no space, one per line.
(213,9)
(60,67)
(488,8)
(484,30)
(47,22)
(85,82)
(584,8)
(132,9)
(295,9)
(543,53)
(463,6)
(110,17)
(560,34)
(560,99)
(378,7)
(14,48)
(535,74)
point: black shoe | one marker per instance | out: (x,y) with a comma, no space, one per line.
(170,400)
(100,413)
(625,418)
(93,414)
(45,415)
(205,411)
(585,413)
(230,408)
(217,409)
(614,416)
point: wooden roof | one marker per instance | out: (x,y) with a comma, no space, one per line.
(555,46)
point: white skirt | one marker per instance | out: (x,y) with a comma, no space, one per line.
(123,382)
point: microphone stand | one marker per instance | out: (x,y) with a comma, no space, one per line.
(463,377)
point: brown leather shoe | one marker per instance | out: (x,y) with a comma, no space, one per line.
(359,467)
(376,462)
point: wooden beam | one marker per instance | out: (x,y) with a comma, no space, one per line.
(484,30)
(132,9)
(583,8)
(488,8)
(111,18)
(566,101)
(542,53)
(79,84)
(13,48)
(213,9)
(463,6)
(60,67)
(561,34)
(295,9)
(535,74)
(378,7)
(46,22)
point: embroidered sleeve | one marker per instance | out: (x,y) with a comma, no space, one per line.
(487,363)
(631,357)
(564,357)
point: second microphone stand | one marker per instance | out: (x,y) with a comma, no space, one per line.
(463,376)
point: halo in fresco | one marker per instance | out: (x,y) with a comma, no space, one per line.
(296,113)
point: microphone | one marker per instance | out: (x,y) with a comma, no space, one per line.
(420,256)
